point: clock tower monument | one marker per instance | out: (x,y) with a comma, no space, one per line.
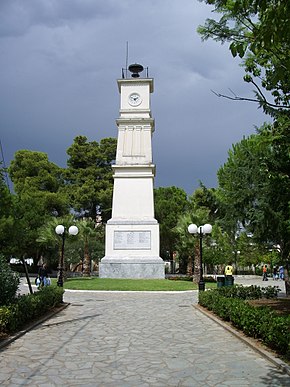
(132,234)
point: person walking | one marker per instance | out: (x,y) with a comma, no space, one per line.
(229,279)
(281,272)
(265,276)
(43,275)
(229,270)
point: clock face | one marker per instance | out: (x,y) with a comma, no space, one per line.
(134,99)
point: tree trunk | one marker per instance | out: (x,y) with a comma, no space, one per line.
(196,275)
(87,262)
(189,270)
(172,263)
(287,281)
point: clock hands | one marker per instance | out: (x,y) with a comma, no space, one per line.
(135,99)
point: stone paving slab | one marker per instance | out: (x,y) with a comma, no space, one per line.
(32,325)
(251,342)
(133,339)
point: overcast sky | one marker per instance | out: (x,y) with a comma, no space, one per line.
(60,60)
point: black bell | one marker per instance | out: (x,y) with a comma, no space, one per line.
(135,69)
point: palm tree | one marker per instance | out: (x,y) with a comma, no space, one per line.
(189,245)
(48,240)
(77,246)
(87,233)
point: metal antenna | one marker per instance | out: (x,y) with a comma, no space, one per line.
(127,54)
(5,170)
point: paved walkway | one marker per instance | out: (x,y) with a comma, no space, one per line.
(112,339)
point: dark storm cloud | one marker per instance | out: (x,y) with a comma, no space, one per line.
(59,62)
(18,16)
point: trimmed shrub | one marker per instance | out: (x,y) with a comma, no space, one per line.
(28,307)
(259,322)
(5,317)
(276,334)
(252,292)
(9,282)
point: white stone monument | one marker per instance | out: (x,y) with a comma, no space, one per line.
(132,234)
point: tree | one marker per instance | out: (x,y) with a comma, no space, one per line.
(248,252)
(87,235)
(256,176)
(188,245)
(170,203)
(9,282)
(7,224)
(207,199)
(32,171)
(259,32)
(219,251)
(254,186)
(50,243)
(35,177)
(89,181)
(85,246)
(37,183)
(218,246)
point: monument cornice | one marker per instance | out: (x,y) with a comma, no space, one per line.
(134,170)
(135,121)
(134,82)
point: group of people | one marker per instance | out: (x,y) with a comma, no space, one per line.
(278,273)
(42,278)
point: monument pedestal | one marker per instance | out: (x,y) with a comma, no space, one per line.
(138,267)
(132,250)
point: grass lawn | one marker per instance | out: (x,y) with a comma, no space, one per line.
(130,284)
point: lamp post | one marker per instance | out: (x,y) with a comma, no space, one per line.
(201,230)
(61,230)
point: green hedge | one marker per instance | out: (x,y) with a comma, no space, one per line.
(252,292)
(259,322)
(9,282)
(27,308)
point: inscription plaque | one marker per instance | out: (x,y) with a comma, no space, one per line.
(132,240)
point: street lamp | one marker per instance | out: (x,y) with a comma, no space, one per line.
(201,230)
(61,230)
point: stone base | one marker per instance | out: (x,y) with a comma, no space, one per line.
(152,267)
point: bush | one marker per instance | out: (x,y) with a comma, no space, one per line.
(259,322)
(277,334)
(5,317)
(9,283)
(252,292)
(209,279)
(179,278)
(28,307)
